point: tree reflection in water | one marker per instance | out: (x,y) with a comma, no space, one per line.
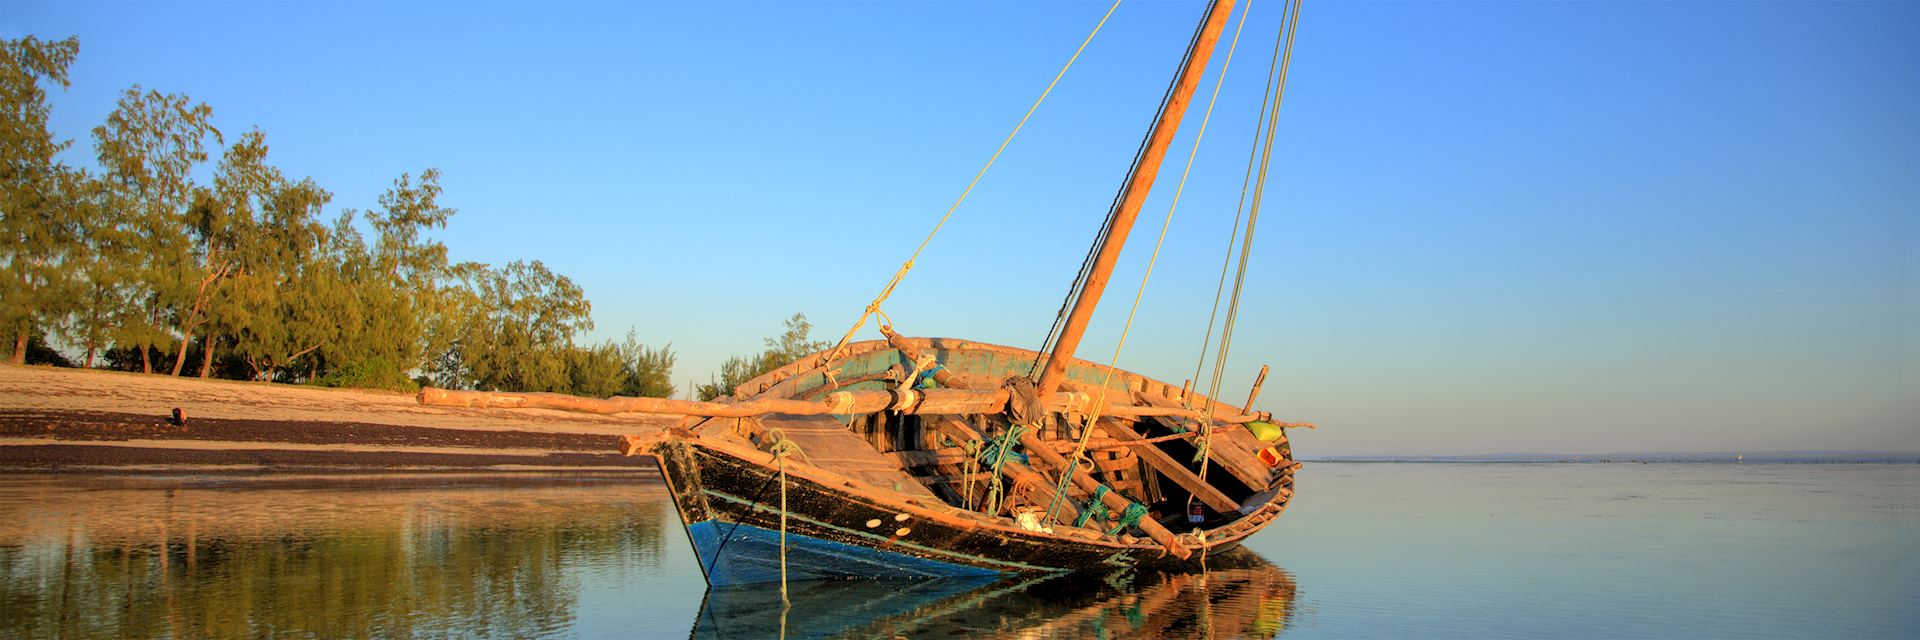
(325,556)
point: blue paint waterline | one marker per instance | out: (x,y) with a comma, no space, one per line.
(878,538)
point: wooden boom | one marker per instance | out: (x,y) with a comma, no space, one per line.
(920,402)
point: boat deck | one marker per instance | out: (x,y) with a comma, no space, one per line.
(831,446)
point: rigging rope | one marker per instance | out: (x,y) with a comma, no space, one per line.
(1119,196)
(1284,51)
(781,447)
(908,265)
(999,449)
(1246,181)
(1093,416)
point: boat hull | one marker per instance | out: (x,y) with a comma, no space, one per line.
(731,508)
(845,520)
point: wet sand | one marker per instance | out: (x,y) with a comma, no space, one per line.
(77,420)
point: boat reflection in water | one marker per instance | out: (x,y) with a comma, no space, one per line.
(1240,596)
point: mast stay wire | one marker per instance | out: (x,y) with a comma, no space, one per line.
(908,265)
(1285,50)
(1100,234)
(1246,181)
(1199,136)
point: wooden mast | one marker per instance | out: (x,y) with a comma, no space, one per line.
(1121,222)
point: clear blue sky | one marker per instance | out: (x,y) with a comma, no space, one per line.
(1492,226)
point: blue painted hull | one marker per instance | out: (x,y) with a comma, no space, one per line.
(730,508)
(737,553)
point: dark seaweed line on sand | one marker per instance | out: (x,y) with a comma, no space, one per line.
(54,456)
(110,426)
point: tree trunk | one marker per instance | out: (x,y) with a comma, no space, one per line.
(194,319)
(206,359)
(180,359)
(20,346)
(146,343)
(90,348)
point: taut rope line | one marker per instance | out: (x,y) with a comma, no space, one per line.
(1093,416)
(908,265)
(1285,50)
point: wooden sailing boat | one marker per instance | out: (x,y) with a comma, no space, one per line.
(933,457)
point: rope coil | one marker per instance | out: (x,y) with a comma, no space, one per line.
(781,447)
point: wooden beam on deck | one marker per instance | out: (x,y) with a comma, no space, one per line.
(1173,470)
(1040,488)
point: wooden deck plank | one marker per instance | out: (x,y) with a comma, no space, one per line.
(829,445)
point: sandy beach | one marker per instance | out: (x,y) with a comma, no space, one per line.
(71,419)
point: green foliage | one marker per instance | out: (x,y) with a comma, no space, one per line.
(227,237)
(246,277)
(594,371)
(284,299)
(789,347)
(626,369)
(649,370)
(518,328)
(148,147)
(369,374)
(40,220)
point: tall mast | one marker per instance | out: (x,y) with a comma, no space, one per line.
(1141,182)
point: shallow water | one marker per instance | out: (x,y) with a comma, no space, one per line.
(1380,550)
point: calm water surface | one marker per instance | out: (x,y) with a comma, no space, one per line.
(1367,550)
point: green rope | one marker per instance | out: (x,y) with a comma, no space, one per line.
(969,468)
(1060,491)
(1135,511)
(1000,448)
(1094,507)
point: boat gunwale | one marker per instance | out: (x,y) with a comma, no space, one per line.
(783,382)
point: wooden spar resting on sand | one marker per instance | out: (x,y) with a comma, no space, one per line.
(935,457)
